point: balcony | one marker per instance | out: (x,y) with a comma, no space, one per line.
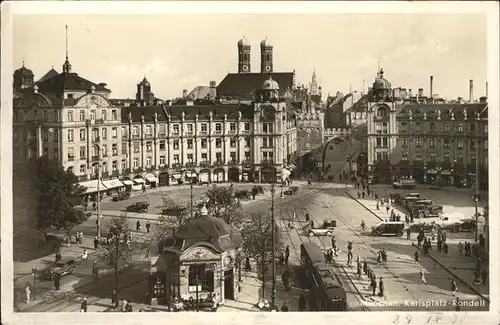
(204,163)
(246,162)
(218,132)
(233,162)
(190,164)
(246,132)
(71,158)
(218,163)
(148,136)
(124,136)
(203,132)
(176,134)
(82,178)
(232,132)
(95,158)
(384,118)
(189,133)
(267,161)
(136,136)
(115,173)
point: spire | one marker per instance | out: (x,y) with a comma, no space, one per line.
(23,61)
(67,65)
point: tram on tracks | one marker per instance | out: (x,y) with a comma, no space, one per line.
(325,287)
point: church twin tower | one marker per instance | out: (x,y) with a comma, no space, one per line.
(266,56)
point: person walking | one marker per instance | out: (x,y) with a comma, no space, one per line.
(114,301)
(95,270)
(457,304)
(122,305)
(287,254)
(422,277)
(453,286)
(416,256)
(27,291)
(84,305)
(445,249)
(302,302)
(408,234)
(57,282)
(138,226)
(148,226)
(381,287)
(285,277)
(460,248)
(374,285)
(58,256)
(365,267)
(96,242)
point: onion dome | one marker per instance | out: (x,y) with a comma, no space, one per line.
(381,82)
(265,43)
(23,71)
(243,42)
(270,84)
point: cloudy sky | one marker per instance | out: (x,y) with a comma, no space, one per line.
(185,50)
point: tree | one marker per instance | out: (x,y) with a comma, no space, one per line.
(222,204)
(258,241)
(118,253)
(58,193)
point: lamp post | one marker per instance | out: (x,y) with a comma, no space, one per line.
(273,256)
(34,272)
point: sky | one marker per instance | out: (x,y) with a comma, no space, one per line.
(182,51)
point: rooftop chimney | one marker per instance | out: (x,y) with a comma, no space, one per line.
(471,90)
(409,93)
(432,84)
(184,93)
(212,84)
(420,92)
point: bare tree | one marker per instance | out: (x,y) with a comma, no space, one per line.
(222,204)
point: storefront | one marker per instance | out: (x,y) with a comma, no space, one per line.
(151,180)
(92,187)
(177,178)
(446,177)
(113,186)
(432,175)
(247,175)
(163,179)
(204,176)
(233,174)
(128,183)
(218,176)
(139,183)
(190,176)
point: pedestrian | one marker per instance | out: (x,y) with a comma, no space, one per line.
(422,277)
(285,277)
(80,238)
(368,191)
(27,290)
(460,248)
(284,308)
(365,267)
(457,304)
(128,307)
(57,282)
(387,207)
(84,255)
(408,234)
(377,206)
(148,226)
(307,217)
(138,226)
(453,286)
(77,235)
(373,285)
(429,244)
(439,244)
(302,302)
(359,270)
(96,242)
(95,270)
(334,243)
(312,224)
(58,256)
(381,287)
(363,194)
(445,249)
(359,195)
(484,276)
(114,301)
(287,254)
(84,305)
(94,206)
(294,215)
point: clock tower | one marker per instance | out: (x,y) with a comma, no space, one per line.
(266,56)
(244,50)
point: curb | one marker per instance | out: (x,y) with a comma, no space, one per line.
(364,206)
(453,274)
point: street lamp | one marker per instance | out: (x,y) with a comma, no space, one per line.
(34,272)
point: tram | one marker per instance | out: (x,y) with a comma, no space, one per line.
(326,288)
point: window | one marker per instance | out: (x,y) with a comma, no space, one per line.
(71,154)
(203,277)
(148,162)
(162,145)
(232,154)
(473,159)
(114,131)
(218,143)
(446,142)
(70,116)
(104,150)
(218,156)
(204,127)
(218,127)
(94,151)
(460,144)
(135,132)
(82,153)
(472,144)
(124,148)
(433,157)
(418,156)
(485,128)
(247,142)
(264,142)
(124,132)
(203,143)
(378,128)
(232,142)
(432,142)
(379,142)
(70,169)
(176,144)
(189,128)
(460,159)
(92,115)
(104,133)
(176,159)
(162,160)
(136,147)
(418,126)
(114,149)
(114,166)
(418,142)
(485,145)
(204,156)
(124,164)
(103,115)
(136,162)
(385,142)
(114,115)
(45,136)
(247,155)
(232,126)
(190,143)
(149,146)
(175,129)
(264,127)
(447,158)
(404,156)
(83,169)
(56,153)
(472,127)
(163,130)
(190,157)
(82,115)
(460,127)
(447,126)
(385,128)
(82,134)
(432,126)
(70,135)
(247,126)
(46,151)
(404,142)
(149,130)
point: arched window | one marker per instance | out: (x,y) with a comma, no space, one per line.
(201,276)
(381,111)
(104,133)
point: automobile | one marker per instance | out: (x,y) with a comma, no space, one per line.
(291,191)
(425,227)
(468,224)
(388,228)
(138,207)
(396,198)
(326,229)
(425,211)
(62,267)
(121,196)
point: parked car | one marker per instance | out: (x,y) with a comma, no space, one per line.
(62,267)
(138,207)
(426,211)
(326,229)
(388,228)
(468,224)
(425,227)
(292,190)
(242,194)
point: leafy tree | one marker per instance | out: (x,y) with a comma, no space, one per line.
(118,253)
(222,204)
(258,241)
(58,193)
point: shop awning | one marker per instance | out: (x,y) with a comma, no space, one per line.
(127,182)
(112,183)
(176,176)
(91,186)
(151,178)
(139,181)
(445,172)
(190,174)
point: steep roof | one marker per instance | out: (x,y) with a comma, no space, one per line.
(200,92)
(51,73)
(175,111)
(243,85)
(67,81)
(432,110)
